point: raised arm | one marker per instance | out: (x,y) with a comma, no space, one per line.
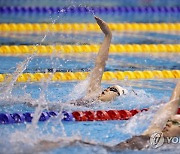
(165,112)
(96,75)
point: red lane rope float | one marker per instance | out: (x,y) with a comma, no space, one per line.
(102,115)
(178,112)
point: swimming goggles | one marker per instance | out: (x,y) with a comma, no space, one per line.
(174,122)
(115,90)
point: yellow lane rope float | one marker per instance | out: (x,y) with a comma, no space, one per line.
(118,48)
(65,27)
(72,76)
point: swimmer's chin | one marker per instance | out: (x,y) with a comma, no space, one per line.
(106,100)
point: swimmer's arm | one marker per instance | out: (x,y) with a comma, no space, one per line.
(165,112)
(48,145)
(102,56)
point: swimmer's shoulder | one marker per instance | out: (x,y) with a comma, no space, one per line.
(136,142)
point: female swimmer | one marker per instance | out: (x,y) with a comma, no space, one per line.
(94,92)
(94,88)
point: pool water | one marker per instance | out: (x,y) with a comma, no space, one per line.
(151,93)
(89,38)
(24,138)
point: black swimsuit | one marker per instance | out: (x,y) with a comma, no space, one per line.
(83,102)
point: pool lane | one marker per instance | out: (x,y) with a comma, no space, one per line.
(10,38)
(116,62)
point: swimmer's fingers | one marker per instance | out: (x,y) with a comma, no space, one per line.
(103,25)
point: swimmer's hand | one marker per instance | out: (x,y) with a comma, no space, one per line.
(104,27)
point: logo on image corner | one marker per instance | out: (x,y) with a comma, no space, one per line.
(156,140)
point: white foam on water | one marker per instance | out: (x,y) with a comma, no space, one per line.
(79,90)
(6,89)
(138,123)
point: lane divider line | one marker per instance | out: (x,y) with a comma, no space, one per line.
(75,76)
(86,27)
(114,48)
(82,10)
(100,115)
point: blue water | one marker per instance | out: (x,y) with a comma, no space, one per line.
(89,3)
(150,93)
(87,17)
(17,138)
(74,63)
(87,38)
(62,17)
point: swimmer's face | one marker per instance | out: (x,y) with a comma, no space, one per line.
(109,94)
(172,127)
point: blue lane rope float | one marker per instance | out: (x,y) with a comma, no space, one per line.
(6,118)
(100,115)
(100,9)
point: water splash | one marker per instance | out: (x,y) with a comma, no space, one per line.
(131,127)
(78,90)
(7,89)
(31,135)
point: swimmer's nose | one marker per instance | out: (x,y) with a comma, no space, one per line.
(165,129)
(168,124)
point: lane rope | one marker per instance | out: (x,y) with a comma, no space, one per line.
(114,48)
(75,76)
(82,10)
(100,115)
(85,27)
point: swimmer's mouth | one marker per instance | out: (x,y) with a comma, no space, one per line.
(165,129)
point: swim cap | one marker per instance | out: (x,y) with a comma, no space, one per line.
(121,90)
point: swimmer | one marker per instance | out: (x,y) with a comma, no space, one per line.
(94,92)
(165,121)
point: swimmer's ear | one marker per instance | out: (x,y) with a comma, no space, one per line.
(103,25)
